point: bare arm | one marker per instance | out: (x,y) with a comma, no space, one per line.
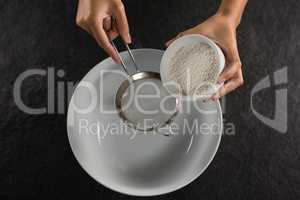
(233,9)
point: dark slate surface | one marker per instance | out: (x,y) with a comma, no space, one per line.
(35,158)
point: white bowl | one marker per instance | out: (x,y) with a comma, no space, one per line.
(183,41)
(144,165)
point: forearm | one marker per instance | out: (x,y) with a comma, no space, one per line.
(233,9)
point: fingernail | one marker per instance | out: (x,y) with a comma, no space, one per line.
(221,81)
(215,97)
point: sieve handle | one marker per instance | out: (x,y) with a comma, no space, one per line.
(112,20)
(131,56)
(121,59)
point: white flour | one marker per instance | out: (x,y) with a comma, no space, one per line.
(195,69)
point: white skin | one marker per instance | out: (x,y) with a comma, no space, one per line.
(94,17)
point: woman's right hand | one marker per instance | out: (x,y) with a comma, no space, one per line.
(94,16)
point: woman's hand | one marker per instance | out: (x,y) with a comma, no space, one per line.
(221,28)
(94,16)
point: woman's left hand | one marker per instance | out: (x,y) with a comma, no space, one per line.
(222,30)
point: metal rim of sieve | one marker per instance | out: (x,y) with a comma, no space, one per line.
(119,97)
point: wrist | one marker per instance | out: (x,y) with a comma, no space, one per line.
(230,19)
(232,10)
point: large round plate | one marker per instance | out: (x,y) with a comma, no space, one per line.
(135,163)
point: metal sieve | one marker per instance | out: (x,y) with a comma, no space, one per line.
(138,110)
(141,100)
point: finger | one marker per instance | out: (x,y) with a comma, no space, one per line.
(173,39)
(229,71)
(229,86)
(109,29)
(170,41)
(107,23)
(102,39)
(112,34)
(122,23)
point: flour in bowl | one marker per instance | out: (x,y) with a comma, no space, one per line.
(195,68)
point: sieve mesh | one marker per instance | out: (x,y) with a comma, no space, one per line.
(147,104)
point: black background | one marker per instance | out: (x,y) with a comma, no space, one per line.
(35,157)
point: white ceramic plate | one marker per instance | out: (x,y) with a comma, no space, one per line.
(136,163)
(178,44)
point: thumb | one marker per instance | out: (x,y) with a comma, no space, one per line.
(168,43)
(186,32)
